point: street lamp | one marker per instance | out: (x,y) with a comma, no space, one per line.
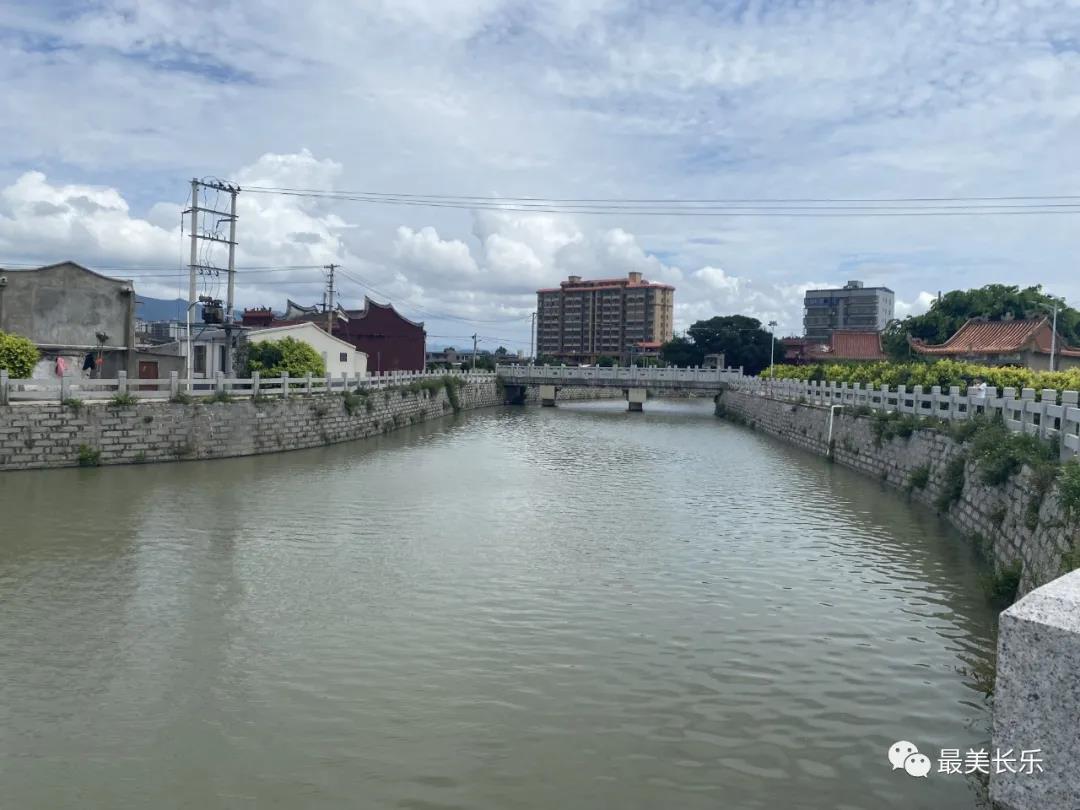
(772,346)
(1053,335)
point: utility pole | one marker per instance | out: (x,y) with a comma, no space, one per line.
(772,346)
(474,352)
(330,297)
(200,231)
(194,222)
(229,303)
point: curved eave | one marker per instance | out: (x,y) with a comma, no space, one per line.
(368,303)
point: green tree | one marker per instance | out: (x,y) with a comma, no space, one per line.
(740,338)
(272,358)
(994,302)
(681,351)
(604,361)
(18,355)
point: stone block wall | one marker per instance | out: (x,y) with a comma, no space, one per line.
(1011,523)
(40,435)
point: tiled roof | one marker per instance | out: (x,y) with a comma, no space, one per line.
(992,337)
(849,345)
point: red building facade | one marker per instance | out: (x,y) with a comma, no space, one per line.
(392,341)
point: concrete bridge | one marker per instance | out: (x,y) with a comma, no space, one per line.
(636,382)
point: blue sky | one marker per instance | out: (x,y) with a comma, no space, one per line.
(119,103)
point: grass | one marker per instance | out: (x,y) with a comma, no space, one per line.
(352,401)
(1000,453)
(952,483)
(181,398)
(89,456)
(1001,585)
(221,396)
(982,672)
(1043,476)
(123,399)
(73,403)
(1069,487)
(919,478)
(891,425)
(1070,560)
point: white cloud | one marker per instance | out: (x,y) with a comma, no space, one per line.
(108,109)
(920,305)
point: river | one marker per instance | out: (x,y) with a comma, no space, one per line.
(511,608)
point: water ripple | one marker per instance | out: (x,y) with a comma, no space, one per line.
(511,608)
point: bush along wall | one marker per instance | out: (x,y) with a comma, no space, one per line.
(942,372)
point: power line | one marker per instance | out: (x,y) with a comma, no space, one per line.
(460,197)
(419,308)
(806,207)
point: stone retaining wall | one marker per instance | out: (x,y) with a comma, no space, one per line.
(39,435)
(1011,522)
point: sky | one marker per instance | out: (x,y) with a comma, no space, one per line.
(111,107)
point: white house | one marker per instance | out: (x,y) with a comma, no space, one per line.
(209,345)
(340,357)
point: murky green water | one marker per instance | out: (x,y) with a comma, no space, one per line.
(570,608)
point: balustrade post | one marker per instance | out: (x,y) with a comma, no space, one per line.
(5,387)
(254,384)
(121,382)
(174,384)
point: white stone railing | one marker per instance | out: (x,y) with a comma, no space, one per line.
(1046,413)
(82,388)
(632,375)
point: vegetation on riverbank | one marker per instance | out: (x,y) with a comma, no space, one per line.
(18,355)
(943,372)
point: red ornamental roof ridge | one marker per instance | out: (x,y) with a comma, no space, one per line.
(979,336)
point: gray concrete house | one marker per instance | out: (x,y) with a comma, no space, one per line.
(70,311)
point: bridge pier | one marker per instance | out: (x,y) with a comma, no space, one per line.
(547,396)
(635,398)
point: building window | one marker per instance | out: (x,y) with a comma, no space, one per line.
(343,357)
(199,365)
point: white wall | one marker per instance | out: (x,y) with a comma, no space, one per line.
(340,357)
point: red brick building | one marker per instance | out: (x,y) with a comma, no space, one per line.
(392,341)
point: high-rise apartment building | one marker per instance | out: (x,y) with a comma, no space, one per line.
(623,318)
(852,308)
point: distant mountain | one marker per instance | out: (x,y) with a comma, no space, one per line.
(163,309)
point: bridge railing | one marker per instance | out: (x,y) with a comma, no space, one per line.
(1047,413)
(74,387)
(629,375)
